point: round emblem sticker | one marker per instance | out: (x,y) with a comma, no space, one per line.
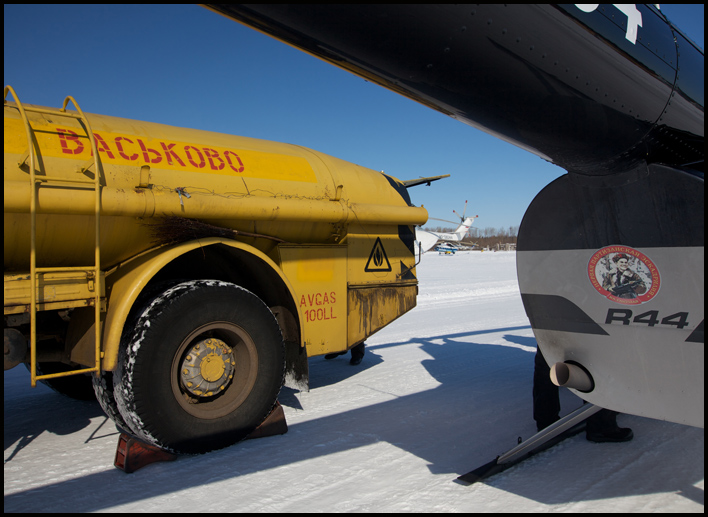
(624,275)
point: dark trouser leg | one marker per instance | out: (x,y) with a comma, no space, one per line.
(357,354)
(546,401)
(602,427)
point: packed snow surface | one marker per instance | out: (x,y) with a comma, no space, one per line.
(443,390)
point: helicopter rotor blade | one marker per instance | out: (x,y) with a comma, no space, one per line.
(464,211)
(443,220)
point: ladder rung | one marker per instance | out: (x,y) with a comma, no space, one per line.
(49,111)
(66,180)
(64,269)
(66,374)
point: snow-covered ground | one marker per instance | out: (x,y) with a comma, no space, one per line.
(444,389)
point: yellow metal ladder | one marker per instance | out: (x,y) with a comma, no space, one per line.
(93,273)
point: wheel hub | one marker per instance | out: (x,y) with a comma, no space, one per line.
(207,368)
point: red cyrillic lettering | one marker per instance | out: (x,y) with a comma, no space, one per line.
(211,153)
(199,165)
(133,156)
(102,146)
(146,155)
(240,167)
(66,135)
(170,153)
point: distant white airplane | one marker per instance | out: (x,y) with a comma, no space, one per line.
(427,239)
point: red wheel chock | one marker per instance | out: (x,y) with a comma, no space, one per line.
(133,454)
(273,424)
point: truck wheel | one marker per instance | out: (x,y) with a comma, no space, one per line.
(103,391)
(201,368)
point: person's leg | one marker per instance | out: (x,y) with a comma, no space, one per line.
(357,354)
(602,427)
(546,401)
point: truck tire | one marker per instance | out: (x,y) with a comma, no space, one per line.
(103,384)
(103,391)
(201,368)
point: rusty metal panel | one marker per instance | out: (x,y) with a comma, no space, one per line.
(373,307)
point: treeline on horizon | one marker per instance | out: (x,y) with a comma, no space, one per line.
(484,237)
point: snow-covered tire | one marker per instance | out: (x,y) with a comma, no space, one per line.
(201,368)
(103,390)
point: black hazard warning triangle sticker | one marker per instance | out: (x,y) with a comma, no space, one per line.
(378,261)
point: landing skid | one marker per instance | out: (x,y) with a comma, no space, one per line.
(568,426)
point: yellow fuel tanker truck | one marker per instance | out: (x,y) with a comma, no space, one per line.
(189,274)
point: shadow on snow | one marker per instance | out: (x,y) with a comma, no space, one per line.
(483,403)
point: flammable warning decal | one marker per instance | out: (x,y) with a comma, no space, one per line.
(624,275)
(378,261)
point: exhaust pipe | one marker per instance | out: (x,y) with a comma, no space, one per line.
(572,375)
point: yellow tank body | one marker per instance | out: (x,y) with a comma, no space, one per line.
(153,170)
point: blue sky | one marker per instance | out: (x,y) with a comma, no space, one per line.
(186,66)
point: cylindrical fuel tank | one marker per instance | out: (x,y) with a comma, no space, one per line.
(152,170)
